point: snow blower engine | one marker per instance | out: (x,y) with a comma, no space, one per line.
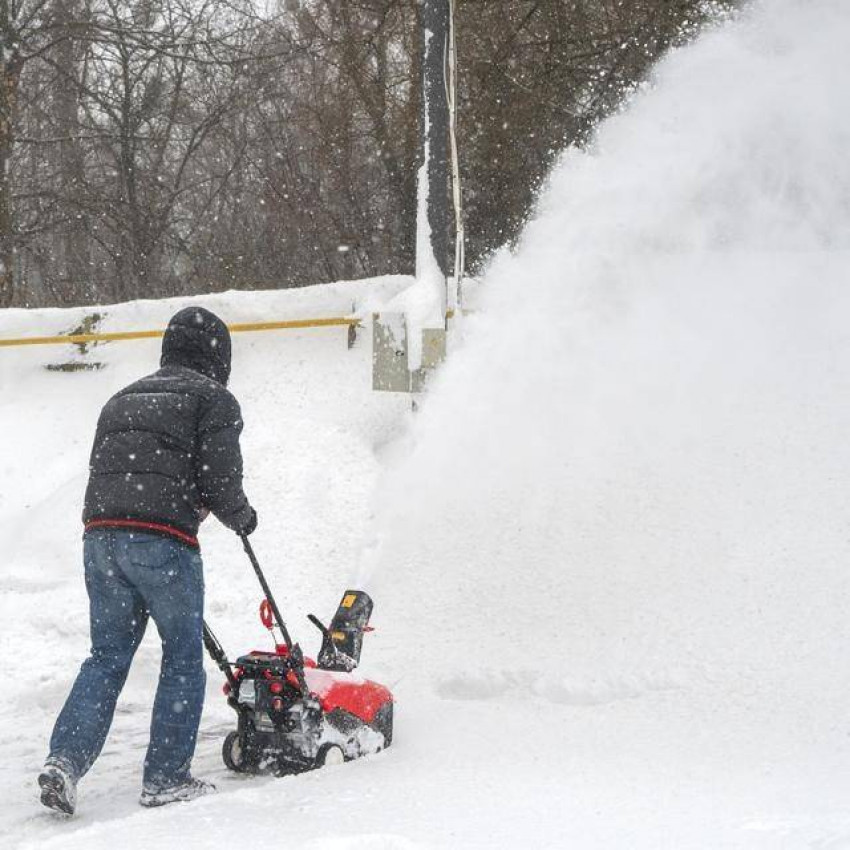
(296,714)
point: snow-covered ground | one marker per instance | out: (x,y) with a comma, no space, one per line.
(610,555)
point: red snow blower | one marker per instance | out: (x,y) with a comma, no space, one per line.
(296,714)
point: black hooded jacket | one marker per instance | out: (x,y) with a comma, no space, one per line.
(167,446)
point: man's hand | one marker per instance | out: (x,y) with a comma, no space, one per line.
(203,514)
(250,526)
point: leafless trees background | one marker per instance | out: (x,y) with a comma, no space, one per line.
(156,147)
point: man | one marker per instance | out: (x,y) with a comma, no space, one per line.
(166,452)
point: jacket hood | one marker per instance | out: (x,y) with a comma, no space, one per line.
(199,340)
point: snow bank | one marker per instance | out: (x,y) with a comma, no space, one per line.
(343,298)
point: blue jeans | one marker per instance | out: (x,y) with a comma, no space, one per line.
(130,576)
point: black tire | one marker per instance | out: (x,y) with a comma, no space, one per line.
(383,723)
(234,753)
(330,754)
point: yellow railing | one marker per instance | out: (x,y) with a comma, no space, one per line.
(120,336)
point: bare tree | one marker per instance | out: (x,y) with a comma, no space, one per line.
(151,147)
(22,34)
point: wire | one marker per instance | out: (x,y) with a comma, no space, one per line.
(450,76)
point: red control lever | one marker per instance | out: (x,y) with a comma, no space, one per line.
(266,614)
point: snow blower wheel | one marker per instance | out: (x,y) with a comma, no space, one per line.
(383,722)
(233,753)
(330,754)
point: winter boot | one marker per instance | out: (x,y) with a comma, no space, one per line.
(189,789)
(58,789)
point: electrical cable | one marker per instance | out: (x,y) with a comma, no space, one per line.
(450,78)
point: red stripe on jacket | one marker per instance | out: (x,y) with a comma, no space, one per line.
(144,526)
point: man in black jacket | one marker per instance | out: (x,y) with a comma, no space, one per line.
(166,453)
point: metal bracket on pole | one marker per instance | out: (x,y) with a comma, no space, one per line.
(390,370)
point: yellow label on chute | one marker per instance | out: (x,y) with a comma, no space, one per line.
(349,600)
(338,636)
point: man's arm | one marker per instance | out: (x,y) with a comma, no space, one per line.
(219,468)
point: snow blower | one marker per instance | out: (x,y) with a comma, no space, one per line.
(294,713)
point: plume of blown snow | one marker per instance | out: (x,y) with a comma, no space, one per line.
(637,465)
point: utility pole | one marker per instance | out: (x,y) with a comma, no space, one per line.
(409,335)
(432,240)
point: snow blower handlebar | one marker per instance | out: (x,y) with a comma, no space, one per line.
(269,598)
(217,654)
(295,653)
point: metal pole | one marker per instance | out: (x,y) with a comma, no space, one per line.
(256,565)
(435,127)
(295,654)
